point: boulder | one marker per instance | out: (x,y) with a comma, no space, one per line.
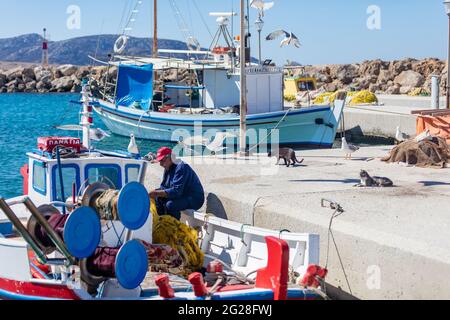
(28,74)
(67,70)
(409,79)
(63,84)
(14,73)
(346,73)
(3,80)
(30,86)
(43,75)
(370,68)
(385,76)
(393,89)
(374,87)
(406,89)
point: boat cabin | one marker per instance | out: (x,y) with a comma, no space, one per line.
(43,174)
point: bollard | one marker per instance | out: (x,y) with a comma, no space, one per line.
(435,92)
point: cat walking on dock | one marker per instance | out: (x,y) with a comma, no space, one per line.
(288,155)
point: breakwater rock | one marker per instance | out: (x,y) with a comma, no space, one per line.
(390,77)
(64,78)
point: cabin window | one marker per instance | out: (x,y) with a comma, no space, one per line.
(132,173)
(71,175)
(109,174)
(306,86)
(39,178)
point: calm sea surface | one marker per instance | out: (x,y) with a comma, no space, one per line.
(25,117)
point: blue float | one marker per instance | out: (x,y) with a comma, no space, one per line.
(133,206)
(131,265)
(82,232)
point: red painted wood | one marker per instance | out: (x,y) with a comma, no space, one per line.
(38,290)
(276,275)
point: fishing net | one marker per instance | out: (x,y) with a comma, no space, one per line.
(169,231)
(433,153)
(362,97)
(354,98)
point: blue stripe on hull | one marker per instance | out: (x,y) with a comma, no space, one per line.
(299,127)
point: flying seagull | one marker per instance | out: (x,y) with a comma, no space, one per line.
(94,134)
(289,38)
(348,148)
(261,5)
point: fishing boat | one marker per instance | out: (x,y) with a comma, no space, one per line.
(57,243)
(205,93)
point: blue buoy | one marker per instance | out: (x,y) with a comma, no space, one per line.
(133,206)
(82,232)
(131,265)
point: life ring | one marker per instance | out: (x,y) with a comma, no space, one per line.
(120,44)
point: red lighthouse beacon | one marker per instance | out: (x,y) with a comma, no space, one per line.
(45,50)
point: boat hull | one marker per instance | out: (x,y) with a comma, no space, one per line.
(313,127)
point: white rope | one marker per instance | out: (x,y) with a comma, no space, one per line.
(271,131)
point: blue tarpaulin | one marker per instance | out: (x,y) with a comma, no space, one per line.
(135,84)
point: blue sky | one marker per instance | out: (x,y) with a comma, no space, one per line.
(331,31)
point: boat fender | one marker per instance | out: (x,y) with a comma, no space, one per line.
(164,289)
(313,274)
(198,285)
(120,44)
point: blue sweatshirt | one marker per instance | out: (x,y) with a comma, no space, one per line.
(181,181)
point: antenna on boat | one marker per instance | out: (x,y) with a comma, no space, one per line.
(86,116)
(155,28)
(243,92)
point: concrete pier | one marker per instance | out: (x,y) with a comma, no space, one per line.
(394,242)
(382,120)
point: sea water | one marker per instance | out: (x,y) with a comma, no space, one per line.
(25,117)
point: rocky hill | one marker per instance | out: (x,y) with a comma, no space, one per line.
(27,48)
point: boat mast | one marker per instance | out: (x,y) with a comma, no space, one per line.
(243,79)
(155,28)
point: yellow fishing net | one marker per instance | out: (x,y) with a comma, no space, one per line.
(355,97)
(419,92)
(169,231)
(363,97)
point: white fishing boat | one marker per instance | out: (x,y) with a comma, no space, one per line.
(56,246)
(208,97)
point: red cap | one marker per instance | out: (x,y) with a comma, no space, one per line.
(162,153)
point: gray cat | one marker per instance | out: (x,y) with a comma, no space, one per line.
(368,181)
(288,155)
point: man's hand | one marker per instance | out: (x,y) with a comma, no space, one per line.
(157,194)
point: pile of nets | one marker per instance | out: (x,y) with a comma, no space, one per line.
(429,153)
(353,98)
(362,97)
(419,92)
(169,231)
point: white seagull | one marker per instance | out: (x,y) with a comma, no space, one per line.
(289,38)
(133,147)
(426,135)
(214,147)
(348,148)
(400,136)
(261,5)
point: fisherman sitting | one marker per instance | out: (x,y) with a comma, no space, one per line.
(180,189)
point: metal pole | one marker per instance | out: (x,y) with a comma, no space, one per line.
(260,55)
(448,67)
(243,79)
(155,28)
(22,231)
